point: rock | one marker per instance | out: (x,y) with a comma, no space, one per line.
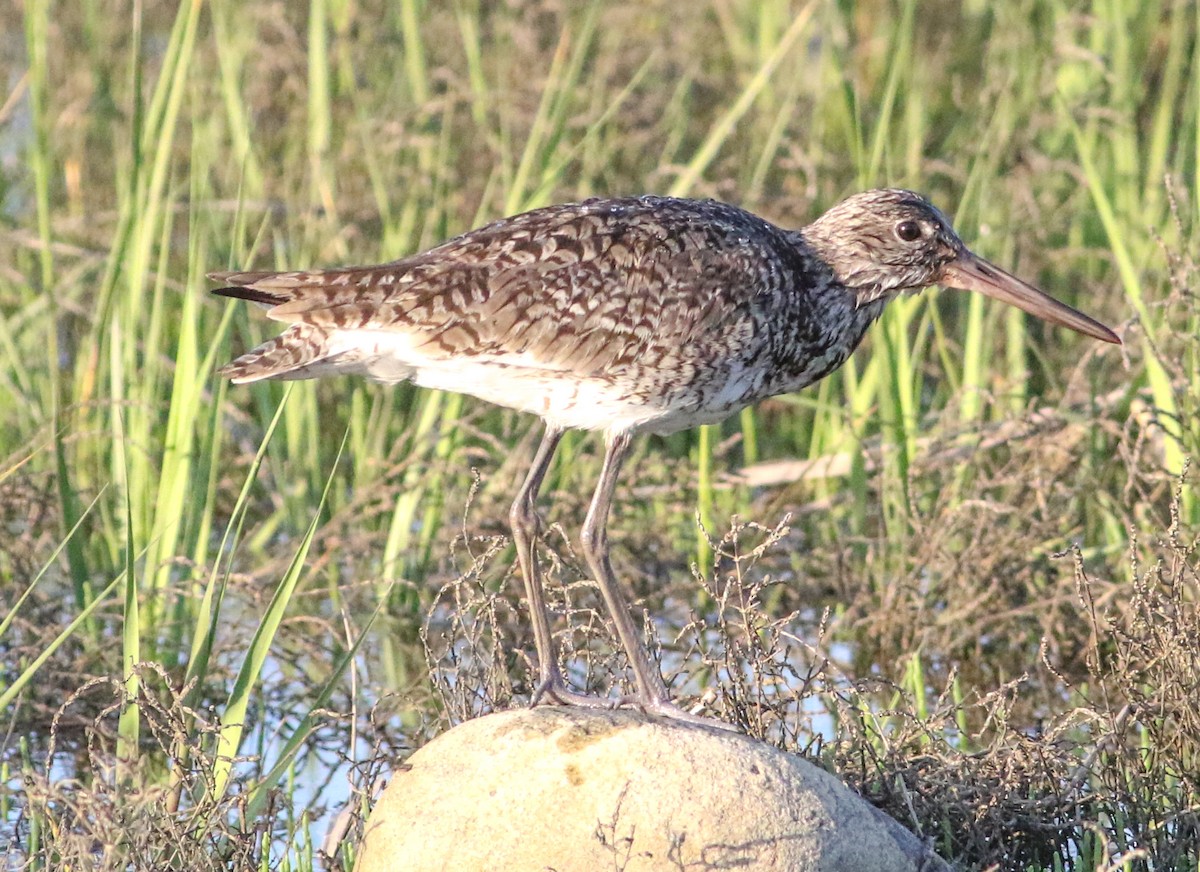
(576,790)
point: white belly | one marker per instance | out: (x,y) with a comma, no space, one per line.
(560,398)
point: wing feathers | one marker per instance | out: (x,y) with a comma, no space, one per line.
(589,289)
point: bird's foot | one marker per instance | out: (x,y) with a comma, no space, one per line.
(664,708)
(554,691)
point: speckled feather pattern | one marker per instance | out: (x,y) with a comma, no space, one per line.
(646,313)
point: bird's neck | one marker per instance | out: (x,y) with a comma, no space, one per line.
(849,265)
(826,320)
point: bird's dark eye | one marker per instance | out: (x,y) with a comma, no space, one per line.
(908,231)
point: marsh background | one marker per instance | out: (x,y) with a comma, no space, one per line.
(960,572)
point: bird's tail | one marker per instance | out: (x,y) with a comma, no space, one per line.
(257,287)
(296,353)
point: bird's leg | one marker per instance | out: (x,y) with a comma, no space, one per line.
(526,524)
(651,691)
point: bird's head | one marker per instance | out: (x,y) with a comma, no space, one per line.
(879,243)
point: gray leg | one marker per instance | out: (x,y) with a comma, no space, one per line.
(526,524)
(652,693)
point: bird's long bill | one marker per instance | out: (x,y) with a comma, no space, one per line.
(971,273)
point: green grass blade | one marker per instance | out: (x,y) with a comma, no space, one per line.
(1156,375)
(234,713)
(728,121)
(26,675)
(7,620)
(208,612)
(260,795)
(129,722)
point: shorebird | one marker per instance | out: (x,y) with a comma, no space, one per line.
(624,316)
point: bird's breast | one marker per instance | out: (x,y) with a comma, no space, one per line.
(819,337)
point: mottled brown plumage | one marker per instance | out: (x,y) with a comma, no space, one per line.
(636,315)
